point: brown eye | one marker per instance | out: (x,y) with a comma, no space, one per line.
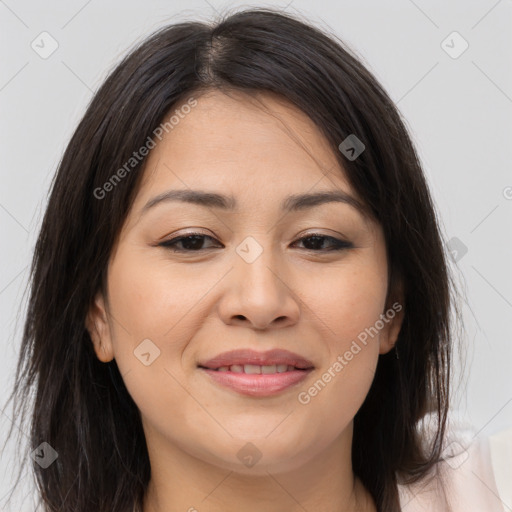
(316,241)
(192,242)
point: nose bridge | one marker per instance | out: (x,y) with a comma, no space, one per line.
(255,265)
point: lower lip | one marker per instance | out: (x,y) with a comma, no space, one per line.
(264,384)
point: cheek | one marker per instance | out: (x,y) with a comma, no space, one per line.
(346,309)
(154,298)
(161,303)
(144,307)
(346,302)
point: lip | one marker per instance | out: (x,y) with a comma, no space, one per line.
(257,385)
(248,356)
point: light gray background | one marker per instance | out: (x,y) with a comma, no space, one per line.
(458,110)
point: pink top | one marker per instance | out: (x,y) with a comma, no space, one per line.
(475,476)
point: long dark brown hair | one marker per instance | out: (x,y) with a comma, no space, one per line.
(81,406)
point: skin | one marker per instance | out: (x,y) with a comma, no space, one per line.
(195,305)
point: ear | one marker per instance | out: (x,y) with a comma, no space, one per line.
(98,326)
(393,318)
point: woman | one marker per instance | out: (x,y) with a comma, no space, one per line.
(240,297)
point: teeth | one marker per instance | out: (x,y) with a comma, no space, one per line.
(252,368)
(257,369)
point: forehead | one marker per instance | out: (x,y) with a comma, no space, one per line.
(258,149)
(236,135)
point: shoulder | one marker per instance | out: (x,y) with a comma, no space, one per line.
(475,474)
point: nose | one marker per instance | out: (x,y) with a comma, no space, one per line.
(259,294)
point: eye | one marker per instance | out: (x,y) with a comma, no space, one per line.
(191,243)
(194,242)
(315,241)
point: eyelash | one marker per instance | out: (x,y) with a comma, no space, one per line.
(340,245)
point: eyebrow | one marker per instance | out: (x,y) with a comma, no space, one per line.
(292,203)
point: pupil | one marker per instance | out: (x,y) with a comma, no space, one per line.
(314,238)
(194,242)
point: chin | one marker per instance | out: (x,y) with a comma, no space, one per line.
(260,457)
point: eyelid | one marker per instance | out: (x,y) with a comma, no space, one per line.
(178,237)
(180,234)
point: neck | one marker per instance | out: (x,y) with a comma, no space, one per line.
(182,482)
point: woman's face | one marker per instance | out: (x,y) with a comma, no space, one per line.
(253,277)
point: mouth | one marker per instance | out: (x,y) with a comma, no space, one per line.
(257,374)
(255,369)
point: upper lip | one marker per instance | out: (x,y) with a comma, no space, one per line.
(248,356)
